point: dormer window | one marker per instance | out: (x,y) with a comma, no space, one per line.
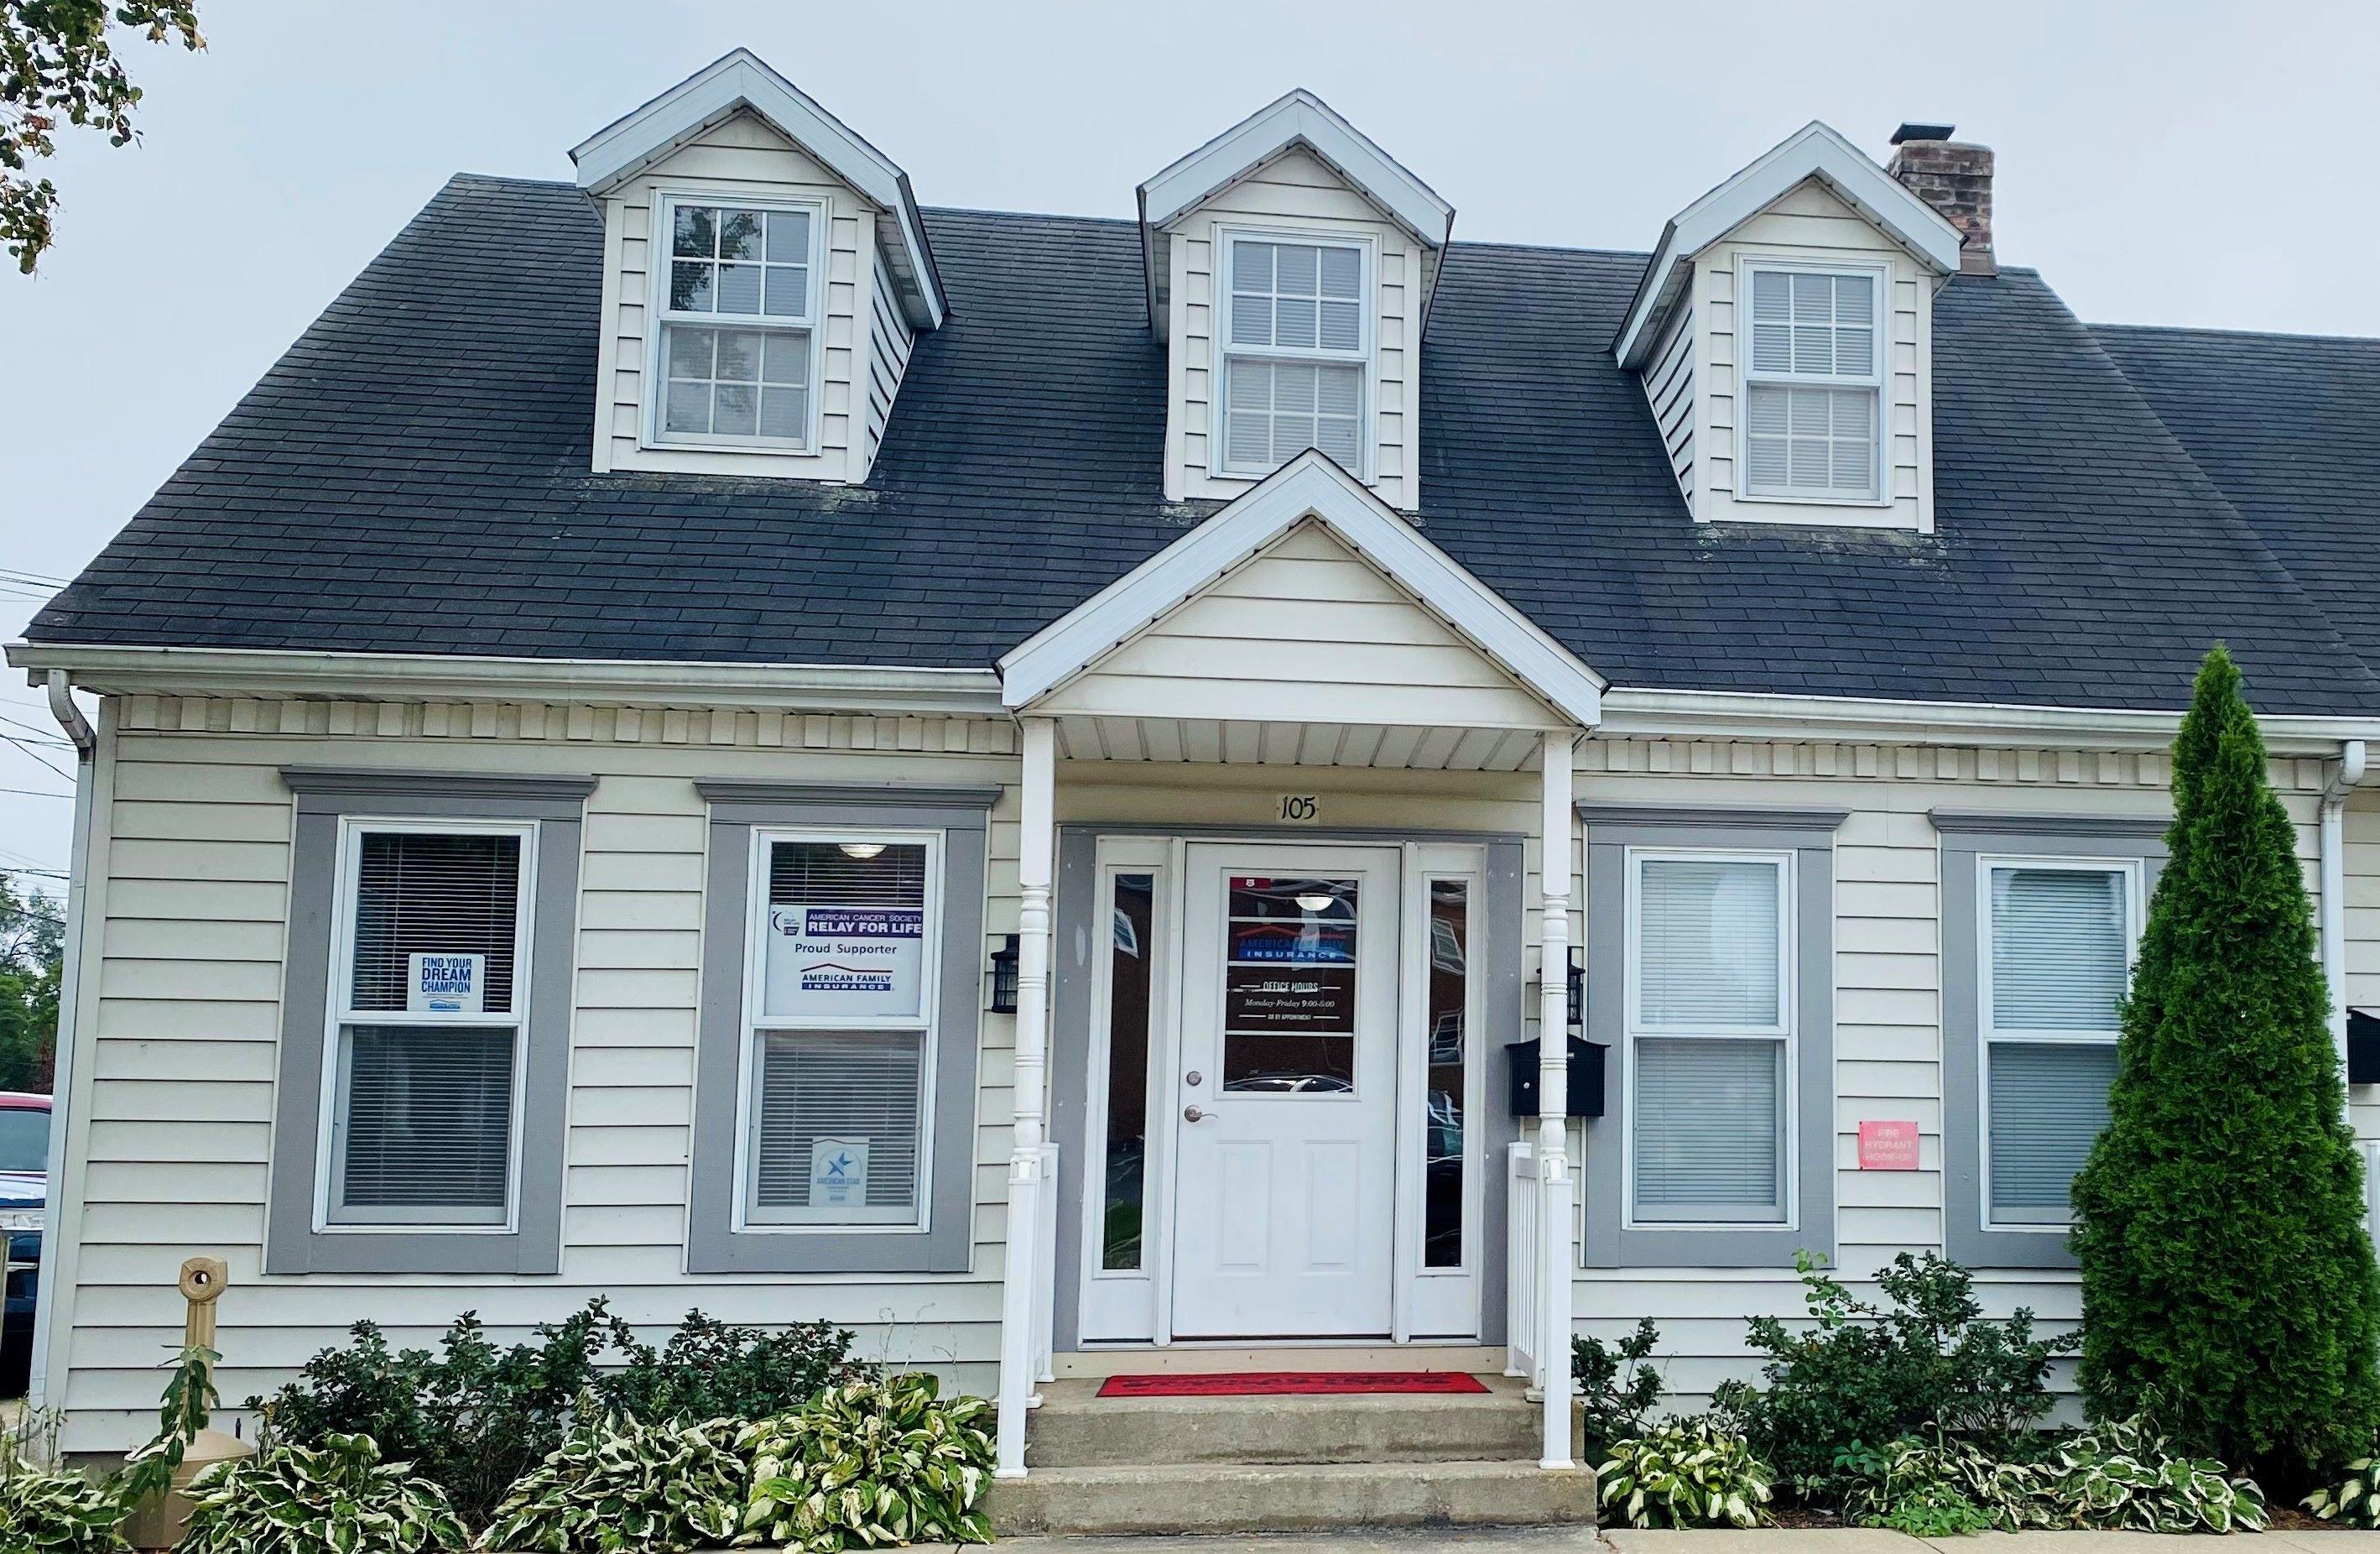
(1296,347)
(1812,383)
(738,311)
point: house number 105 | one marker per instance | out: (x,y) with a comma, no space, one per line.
(1300,809)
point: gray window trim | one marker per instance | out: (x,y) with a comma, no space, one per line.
(1075,941)
(1809,835)
(1967,837)
(946,1243)
(324,796)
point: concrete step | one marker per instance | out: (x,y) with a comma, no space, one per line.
(1075,1428)
(1289,1498)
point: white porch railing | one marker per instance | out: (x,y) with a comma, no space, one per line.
(1523,1232)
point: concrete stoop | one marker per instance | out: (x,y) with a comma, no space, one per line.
(1144,1466)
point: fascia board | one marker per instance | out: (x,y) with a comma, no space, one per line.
(1298,117)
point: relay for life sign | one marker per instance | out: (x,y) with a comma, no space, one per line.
(842,960)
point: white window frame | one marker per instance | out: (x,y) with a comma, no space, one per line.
(1747,267)
(2131,871)
(1784,1032)
(1367,356)
(812,324)
(756,1024)
(329,1218)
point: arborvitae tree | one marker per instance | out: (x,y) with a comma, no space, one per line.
(2228,1281)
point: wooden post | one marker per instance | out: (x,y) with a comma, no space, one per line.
(202,1285)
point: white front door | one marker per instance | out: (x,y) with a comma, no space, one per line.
(1285,1165)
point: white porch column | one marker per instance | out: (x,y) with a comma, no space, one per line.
(1554,827)
(1036,857)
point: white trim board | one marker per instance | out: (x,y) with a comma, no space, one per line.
(1815,151)
(1297,119)
(740,79)
(1307,486)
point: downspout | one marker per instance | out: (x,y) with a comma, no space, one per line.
(46,1291)
(2331,917)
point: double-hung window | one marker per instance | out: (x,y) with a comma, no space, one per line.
(428,1011)
(1709,1032)
(2056,963)
(738,301)
(1814,383)
(1297,349)
(842,992)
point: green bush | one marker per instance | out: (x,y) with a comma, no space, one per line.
(297,1500)
(1911,1487)
(2218,1221)
(870,1463)
(619,1483)
(55,1511)
(1860,1372)
(2116,1477)
(1612,1408)
(2353,1499)
(1687,1472)
(474,1417)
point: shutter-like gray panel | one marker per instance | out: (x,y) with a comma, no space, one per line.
(2048,1103)
(2060,948)
(1709,1130)
(428,1125)
(854,1088)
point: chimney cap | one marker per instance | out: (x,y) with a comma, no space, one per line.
(1923,132)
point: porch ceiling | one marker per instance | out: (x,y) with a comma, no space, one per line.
(1253,742)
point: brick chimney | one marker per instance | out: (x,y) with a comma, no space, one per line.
(1956,179)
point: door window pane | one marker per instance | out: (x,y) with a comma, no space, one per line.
(1448,1009)
(1130,949)
(1289,985)
(1709,1134)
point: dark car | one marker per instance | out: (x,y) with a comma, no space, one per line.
(24,1198)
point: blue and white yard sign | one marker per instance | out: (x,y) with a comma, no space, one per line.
(835,962)
(442,984)
(839,1173)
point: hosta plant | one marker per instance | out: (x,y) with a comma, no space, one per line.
(870,1463)
(618,1483)
(2126,1476)
(1687,1472)
(55,1511)
(299,1500)
(2354,1499)
(1923,1489)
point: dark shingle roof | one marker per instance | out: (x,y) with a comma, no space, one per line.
(413,477)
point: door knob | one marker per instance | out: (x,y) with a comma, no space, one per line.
(1192,1115)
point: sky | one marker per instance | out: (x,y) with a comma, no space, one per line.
(2176,163)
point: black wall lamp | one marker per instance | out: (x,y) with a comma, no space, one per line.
(1577,986)
(1003,975)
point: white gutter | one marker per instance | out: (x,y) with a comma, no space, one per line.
(2331,868)
(111,670)
(1635,710)
(51,1279)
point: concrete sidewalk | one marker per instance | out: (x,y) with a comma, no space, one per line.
(1623,1540)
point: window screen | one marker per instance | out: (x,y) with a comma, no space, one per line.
(840,1032)
(1813,385)
(428,1039)
(1292,375)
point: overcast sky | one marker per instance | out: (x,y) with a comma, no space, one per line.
(2185,164)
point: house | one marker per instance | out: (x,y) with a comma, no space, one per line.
(715,735)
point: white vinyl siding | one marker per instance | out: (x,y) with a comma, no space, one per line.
(424,1098)
(1813,382)
(2057,961)
(738,307)
(840,1090)
(1294,353)
(1710,1034)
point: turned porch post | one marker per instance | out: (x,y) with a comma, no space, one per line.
(1553,1095)
(1027,1190)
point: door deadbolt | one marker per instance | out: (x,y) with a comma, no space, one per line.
(1195,1076)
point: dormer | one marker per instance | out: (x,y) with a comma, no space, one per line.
(1291,263)
(1784,335)
(765,278)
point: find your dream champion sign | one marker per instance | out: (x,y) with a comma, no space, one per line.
(842,961)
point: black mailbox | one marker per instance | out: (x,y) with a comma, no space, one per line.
(2362,1047)
(1585,1078)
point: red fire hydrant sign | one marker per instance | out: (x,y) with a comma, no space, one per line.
(1887,1147)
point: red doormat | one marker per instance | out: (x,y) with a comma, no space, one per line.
(1289,1383)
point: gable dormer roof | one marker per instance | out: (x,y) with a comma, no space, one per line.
(739,82)
(1298,120)
(1815,151)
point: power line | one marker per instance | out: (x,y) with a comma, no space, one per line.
(36,730)
(34,792)
(24,748)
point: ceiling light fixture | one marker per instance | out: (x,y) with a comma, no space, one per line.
(1315,901)
(861,850)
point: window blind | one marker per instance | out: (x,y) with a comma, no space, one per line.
(2060,948)
(1810,439)
(824,874)
(2048,1103)
(848,1088)
(1813,325)
(1707,948)
(1277,409)
(422,894)
(427,1123)
(1709,1129)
